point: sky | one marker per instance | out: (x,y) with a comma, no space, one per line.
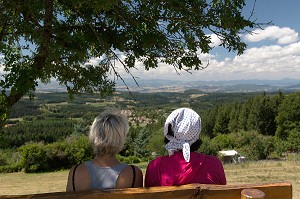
(273,53)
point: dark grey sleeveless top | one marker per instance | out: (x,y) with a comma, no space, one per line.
(104,177)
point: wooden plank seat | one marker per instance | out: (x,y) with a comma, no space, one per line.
(282,190)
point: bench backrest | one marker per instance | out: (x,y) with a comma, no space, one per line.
(192,191)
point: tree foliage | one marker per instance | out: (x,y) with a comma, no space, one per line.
(288,121)
(37,157)
(47,131)
(62,143)
(40,40)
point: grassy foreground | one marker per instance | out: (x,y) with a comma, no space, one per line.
(252,172)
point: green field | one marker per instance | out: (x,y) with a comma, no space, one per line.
(253,172)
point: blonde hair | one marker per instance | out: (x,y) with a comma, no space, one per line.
(108,133)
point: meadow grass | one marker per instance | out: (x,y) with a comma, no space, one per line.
(265,172)
(245,173)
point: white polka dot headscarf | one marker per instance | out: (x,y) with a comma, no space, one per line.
(186,125)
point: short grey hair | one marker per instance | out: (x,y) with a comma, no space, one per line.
(108,132)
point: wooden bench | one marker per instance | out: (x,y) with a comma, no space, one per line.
(281,190)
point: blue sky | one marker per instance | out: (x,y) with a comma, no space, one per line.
(272,53)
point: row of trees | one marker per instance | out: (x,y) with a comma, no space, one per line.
(257,113)
(260,126)
(48,131)
(271,115)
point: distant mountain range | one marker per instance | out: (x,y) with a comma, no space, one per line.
(251,85)
(159,85)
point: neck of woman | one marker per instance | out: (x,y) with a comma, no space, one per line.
(105,161)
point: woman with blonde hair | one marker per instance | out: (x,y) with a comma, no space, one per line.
(107,136)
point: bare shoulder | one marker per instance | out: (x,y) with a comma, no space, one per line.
(80,176)
(127,178)
(139,173)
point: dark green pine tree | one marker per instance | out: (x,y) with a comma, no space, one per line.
(222,120)
(139,144)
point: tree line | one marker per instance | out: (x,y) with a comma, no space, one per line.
(259,126)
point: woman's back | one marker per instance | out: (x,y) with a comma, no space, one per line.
(92,175)
(104,177)
(174,170)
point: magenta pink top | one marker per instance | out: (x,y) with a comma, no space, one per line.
(174,170)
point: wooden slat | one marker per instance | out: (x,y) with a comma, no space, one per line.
(252,194)
(192,191)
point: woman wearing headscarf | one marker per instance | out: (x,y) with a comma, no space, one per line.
(183,165)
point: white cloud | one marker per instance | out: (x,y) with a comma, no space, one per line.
(266,62)
(283,35)
(1,64)
(215,41)
(261,62)
(93,61)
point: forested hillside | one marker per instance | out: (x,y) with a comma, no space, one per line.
(49,132)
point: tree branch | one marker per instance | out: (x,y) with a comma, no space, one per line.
(41,57)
